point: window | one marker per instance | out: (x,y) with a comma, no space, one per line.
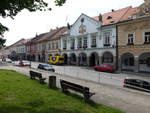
(53,45)
(56,45)
(130,39)
(49,46)
(147,37)
(107,39)
(85,42)
(79,42)
(93,41)
(109,17)
(43,47)
(72,43)
(64,44)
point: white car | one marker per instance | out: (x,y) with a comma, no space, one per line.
(22,63)
(8,60)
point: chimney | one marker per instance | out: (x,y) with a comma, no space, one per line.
(100,17)
(112,10)
(51,30)
(68,25)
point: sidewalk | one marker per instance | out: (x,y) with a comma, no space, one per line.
(130,101)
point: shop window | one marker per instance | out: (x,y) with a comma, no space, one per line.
(129,61)
(148,62)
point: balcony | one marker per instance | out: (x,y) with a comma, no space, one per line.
(93,46)
(106,45)
(64,48)
(71,48)
(84,46)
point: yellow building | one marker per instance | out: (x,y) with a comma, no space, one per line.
(134,41)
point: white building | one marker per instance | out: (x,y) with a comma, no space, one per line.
(92,41)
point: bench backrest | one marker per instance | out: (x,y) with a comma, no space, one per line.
(36,74)
(74,86)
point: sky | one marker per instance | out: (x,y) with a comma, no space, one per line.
(27,24)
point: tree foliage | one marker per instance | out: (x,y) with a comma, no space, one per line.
(10,8)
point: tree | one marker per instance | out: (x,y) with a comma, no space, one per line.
(10,8)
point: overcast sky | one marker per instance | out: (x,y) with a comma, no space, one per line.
(27,24)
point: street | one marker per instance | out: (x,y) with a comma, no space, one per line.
(86,73)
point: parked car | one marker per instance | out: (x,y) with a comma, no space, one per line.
(137,84)
(8,60)
(105,68)
(22,63)
(46,67)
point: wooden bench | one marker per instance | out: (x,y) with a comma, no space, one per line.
(65,85)
(35,75)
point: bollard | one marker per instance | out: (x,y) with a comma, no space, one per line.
(52,82)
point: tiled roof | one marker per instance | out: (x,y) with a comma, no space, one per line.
(51,35)
(18,42)
(59,33)
(118,15)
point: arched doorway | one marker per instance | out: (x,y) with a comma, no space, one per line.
(57,54)
(33,57)
(73,59)
(82,59)
(127,62)
(94,59)
(39,58)
(13,55)
(144,62)
(107,58)
(43,57)
(65,58)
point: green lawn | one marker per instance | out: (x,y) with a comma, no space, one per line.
(19,94)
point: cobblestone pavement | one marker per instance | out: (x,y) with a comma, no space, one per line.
(128,100)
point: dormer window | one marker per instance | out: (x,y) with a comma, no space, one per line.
(112,21)
(109,17)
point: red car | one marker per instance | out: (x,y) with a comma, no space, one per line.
(105,68)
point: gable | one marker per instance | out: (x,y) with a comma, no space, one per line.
(84,25)
(144,9)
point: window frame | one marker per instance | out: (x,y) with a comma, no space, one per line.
(146,42)
(130,43)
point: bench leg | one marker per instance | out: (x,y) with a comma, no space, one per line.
(41,81)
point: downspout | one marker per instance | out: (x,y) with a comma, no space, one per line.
(117,48)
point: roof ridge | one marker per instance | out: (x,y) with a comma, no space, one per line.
(118,9)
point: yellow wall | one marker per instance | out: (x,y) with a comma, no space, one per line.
(138,27)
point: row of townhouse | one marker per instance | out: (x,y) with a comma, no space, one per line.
(120,37)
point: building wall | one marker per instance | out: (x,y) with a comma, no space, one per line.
(139,49)
(93,28)
(138,28)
